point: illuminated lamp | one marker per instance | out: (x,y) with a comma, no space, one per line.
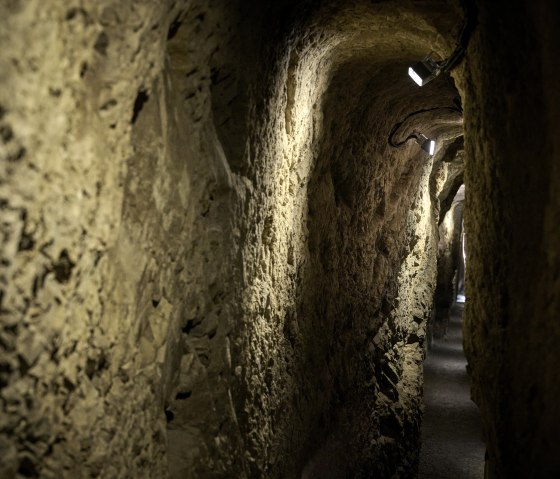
(424,71)
(427,144)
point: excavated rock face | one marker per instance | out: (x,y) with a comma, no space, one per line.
(512,101)
(450,262)
(213,263)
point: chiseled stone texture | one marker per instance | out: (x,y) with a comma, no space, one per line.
(512,138)
(213,264)
(450,253)
(110,238)
(337,267)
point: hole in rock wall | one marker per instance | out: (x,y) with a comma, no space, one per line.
(139,102)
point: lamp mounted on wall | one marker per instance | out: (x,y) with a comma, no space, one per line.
(426,70)
(427,144)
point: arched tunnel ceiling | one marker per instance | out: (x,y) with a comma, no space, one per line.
(366,49)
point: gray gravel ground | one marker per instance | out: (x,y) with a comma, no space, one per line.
(452,447)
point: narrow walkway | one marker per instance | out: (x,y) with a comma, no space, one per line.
(452,447)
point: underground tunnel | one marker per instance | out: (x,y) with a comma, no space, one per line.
(229,245)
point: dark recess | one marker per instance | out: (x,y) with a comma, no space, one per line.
(141,99)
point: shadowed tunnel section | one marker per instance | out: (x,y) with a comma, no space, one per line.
(359,192)
(215,265)
(451,434)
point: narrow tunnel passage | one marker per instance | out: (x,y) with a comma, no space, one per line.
(223,225)
(452,444)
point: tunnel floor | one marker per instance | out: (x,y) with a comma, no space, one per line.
(451,431)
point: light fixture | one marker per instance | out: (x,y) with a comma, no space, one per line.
(427,144)
(424,71)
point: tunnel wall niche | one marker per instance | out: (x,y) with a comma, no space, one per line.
(198,279)
(512,132)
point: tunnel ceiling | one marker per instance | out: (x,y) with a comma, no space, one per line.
(368,50)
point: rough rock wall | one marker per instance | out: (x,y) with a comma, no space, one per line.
(213,265)
(112,183)
(341,234)
(512,126)
(449,255)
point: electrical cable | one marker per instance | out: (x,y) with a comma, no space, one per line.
(414,135)
(471,21)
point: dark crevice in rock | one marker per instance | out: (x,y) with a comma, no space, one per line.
(141,98)
(63,267)
(101,43)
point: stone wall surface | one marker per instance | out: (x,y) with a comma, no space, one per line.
(512,100)
(111,238)
(213,263)
(450,253)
